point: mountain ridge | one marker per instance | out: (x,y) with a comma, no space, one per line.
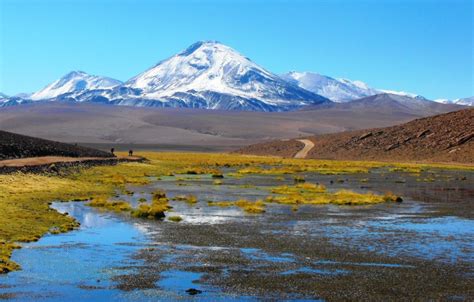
(74,82)
(339,90)
(207,75)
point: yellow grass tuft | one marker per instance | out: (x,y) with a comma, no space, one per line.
(187,198)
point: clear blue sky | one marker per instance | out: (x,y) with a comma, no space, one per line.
(419,46)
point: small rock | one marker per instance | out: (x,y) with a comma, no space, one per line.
(392,146)
(193,291)
(423,133)
(366,135)
(464,139)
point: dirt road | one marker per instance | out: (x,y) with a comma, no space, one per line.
(308,145)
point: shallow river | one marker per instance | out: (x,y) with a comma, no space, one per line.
(422,247)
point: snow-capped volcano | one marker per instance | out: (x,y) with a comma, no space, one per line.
(74,82)
(214,76)
(338,90)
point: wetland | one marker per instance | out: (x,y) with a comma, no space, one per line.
(231,227)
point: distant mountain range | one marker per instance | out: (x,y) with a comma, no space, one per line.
(463,101)
(339,90)
(393,104)
(206,75)
(74,83)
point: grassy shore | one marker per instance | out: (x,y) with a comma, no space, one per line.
(25,214)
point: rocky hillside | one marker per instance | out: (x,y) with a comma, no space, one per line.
(19,146)
(442,138)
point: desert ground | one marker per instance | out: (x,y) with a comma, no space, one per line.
(124,127)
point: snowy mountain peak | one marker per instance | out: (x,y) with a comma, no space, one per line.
(74,82)
(75,73)
(197,45)
(209,70)
(204,65)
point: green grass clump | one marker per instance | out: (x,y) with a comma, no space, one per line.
(156,210)
(113,205)
(175,218)
(316,194)
(299,189)
(299,179)
(246,205)
(220,203)
(187,198)
(149,211)
(251,207)
(128,192)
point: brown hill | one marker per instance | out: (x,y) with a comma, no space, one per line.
(20,146)
(442,138)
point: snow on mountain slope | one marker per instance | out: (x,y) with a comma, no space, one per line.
(403,93)
(464,101)
(12,101)
(214,76)
(338,90)
(74,82)
(395,104)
